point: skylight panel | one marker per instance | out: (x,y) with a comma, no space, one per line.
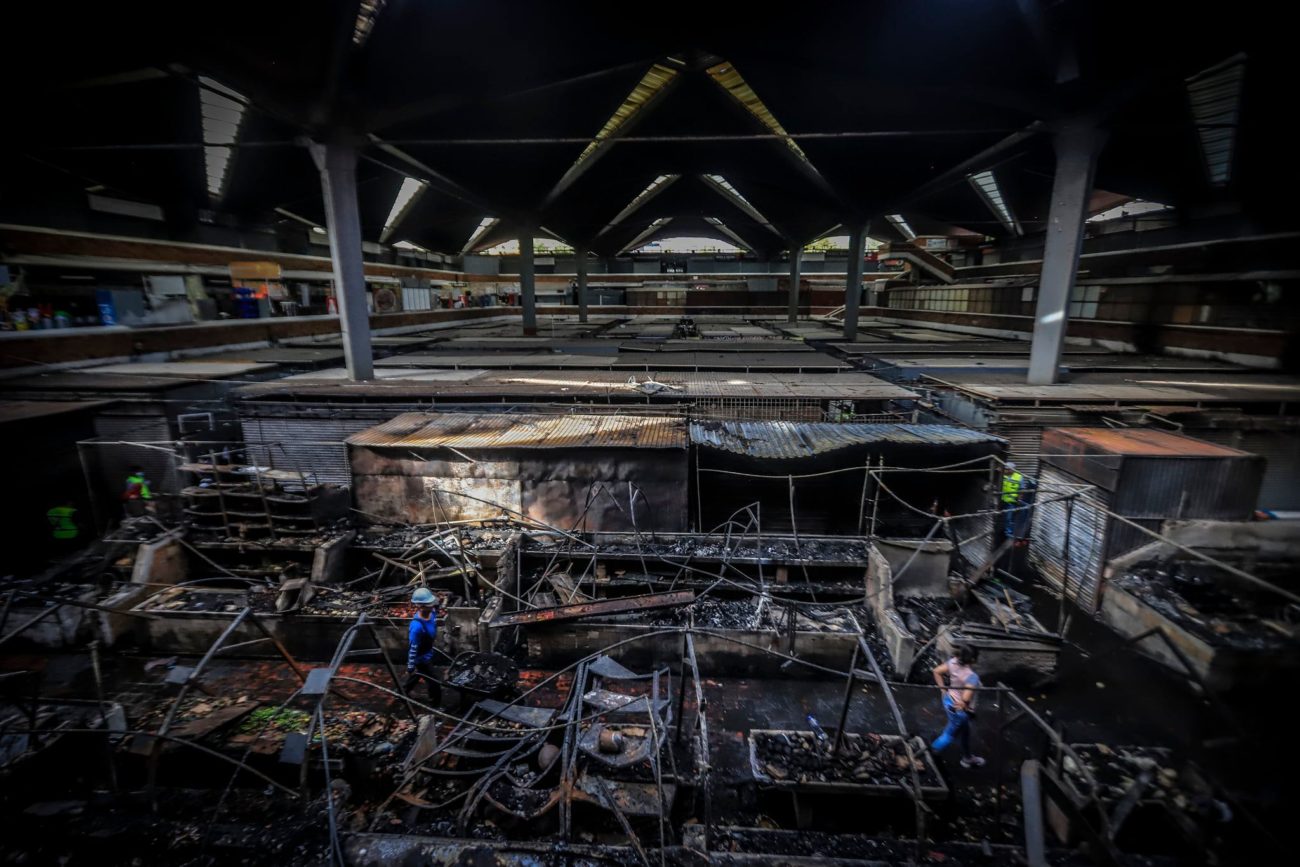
(1215,99)
(406,195)
(724,229)
(651,85)
(484,226)
(636,242)
(657,186)
(1128,209)
(221,111)
(723,186)
(987,186)
(655,80)
(730,79)
(897,221)
(367,14)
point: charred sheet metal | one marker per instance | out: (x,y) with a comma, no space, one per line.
(598,472)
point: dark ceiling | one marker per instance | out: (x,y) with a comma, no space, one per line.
(900,101)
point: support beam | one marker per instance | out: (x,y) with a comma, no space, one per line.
(853,281)
(337,164)
(796,259)
(1077,147)
(527,282)
(580,259)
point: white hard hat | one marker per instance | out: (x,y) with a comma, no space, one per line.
(1011,465)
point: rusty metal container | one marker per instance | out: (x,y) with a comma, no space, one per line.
(1146,476)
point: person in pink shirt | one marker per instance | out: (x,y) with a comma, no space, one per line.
(958,681)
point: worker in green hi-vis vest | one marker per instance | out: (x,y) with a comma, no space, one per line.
(1012,481)
(136,495)
(63,523)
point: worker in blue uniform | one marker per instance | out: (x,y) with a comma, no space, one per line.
(419,654)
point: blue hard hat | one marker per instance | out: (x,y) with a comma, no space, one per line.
(423,596)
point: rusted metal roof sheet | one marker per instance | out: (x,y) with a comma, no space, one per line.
(785,439)
(1135,442)
(507,431)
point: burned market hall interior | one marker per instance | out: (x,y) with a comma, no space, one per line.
(550,434)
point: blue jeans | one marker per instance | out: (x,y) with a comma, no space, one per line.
(958,728)
(1009,518)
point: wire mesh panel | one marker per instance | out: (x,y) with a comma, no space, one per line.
(759,408)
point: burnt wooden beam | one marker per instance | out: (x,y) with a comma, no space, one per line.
(589,609)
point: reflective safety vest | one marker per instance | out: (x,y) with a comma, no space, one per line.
(1011,487)
(137,488)
(61,524)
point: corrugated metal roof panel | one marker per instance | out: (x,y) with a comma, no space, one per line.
(26,410)
(499,431)
(182,369)
(784,439)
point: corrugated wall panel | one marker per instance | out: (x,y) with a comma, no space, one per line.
(1218,489)
(1024,441)
(1280,450)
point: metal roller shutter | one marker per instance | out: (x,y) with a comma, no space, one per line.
(1024,441)
(312,446)
(1088,532)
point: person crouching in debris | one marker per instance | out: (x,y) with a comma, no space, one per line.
(419,656)
(958,681)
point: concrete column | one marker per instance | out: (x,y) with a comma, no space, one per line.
(796,258)
(1076,159)
(527,282)
(337,164)
(853,282)
(581,262)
